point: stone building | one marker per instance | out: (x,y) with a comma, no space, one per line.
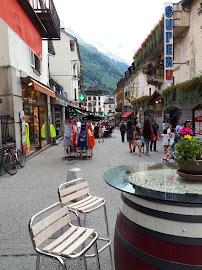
(94,99)
(109,107)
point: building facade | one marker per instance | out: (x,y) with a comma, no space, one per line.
(152,93)
(24,74)
(109,107)
(94,99)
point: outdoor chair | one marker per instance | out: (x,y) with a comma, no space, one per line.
(75,194)
(53,235)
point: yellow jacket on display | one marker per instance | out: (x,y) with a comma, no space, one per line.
(52,131)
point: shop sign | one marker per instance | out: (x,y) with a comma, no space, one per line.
(168,42)
(131,93)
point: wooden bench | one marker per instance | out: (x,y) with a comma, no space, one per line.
(53,235)
(75,194)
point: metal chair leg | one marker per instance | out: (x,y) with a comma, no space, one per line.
(108,236)
(84,220)
(97,256)
(84,261)
(38,262)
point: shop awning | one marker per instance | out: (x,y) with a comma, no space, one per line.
(125,115)
(39,86)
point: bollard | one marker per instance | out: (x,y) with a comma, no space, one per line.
(74,173)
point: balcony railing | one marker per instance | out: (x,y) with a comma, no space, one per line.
(155,76)
(47,13)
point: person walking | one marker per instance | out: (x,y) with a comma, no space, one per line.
(147,133)
(100,133)
(123,131)
(129,131)
(165,142)
(156,130)
(136,140)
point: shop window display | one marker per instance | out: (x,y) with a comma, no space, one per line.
(35,110)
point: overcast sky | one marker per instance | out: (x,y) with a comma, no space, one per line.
(119,26)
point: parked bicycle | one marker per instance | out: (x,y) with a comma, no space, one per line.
(12,157)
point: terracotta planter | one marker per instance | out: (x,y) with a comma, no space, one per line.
(191,168)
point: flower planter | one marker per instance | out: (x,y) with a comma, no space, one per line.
(191,168)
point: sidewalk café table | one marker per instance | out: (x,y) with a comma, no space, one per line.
(159,224)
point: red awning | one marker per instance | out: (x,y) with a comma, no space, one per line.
(39,86)
(12,14)
(126,114)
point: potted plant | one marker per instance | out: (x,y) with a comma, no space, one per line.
(189,153)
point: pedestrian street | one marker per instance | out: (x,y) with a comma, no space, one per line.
(34,188)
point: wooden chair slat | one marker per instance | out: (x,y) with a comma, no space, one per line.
(81,201)
(51,230)
(90,205)
(71,189)
(78,243)
(69,241)
(40,226)
(84,203)
(75,195)
(60,239)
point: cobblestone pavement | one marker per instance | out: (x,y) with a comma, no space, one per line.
(34,188)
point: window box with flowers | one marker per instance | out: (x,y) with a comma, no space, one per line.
(141,102)
(191,90)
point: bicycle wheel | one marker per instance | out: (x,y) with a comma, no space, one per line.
(20,159)
(9,164)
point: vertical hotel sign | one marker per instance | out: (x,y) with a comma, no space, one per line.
(168,42)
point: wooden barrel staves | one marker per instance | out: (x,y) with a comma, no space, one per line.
(151,234)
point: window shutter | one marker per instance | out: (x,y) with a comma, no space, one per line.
(32,60)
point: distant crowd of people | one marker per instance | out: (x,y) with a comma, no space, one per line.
(145,135)
(103,129)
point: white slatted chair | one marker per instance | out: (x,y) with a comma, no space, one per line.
(70,243)
(75,194)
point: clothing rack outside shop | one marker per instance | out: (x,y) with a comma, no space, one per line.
(78,140)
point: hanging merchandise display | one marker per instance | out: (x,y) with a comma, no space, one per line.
(52,131)
(78,140)
(75,133)
(83,139)
(91,138)
(43,131)
(27,144)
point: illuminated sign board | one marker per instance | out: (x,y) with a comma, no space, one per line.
(168,42)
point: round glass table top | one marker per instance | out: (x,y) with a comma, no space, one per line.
(154,180)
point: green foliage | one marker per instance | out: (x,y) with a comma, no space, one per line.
(150,43)
(188,150)
(98,71)
(191,89)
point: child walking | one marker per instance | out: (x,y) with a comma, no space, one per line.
(101,132)
(136,140)
(165,140)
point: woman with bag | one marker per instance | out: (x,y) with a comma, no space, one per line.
(156,130)
(130,130)
(147,133)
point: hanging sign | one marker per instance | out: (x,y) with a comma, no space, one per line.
(168,42)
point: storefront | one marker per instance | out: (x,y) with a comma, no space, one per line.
(35,107)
